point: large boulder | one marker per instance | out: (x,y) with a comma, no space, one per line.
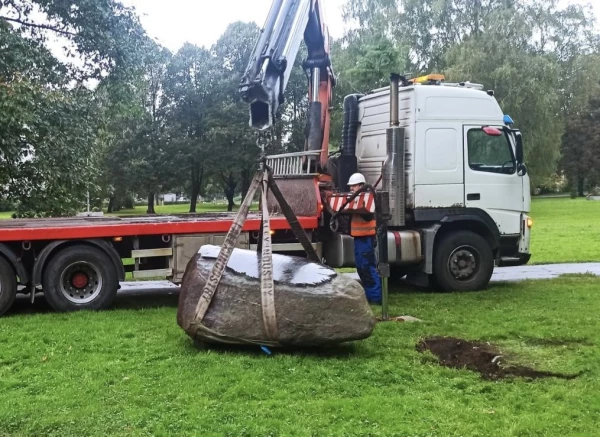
(314,305)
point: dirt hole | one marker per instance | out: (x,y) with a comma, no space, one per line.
(483,358)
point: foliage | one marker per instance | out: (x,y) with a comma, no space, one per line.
(51,150)
(525,86)
(537,57)
(188,87)
(159,121)
(103,34)
(45,135)
(581,147)
(233,143)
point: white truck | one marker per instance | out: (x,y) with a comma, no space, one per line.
(460,194)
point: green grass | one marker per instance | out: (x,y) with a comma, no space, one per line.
(133,371)
(175,209)
(565,230)
(6,215)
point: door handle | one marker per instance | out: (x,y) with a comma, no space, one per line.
(473,196)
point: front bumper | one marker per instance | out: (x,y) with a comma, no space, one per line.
(524,240)
(514,249)
(508,261)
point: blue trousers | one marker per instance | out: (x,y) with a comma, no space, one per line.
(366,266)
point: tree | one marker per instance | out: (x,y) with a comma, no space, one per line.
(581,148)
(104,34)
(47,147)
(146,148)
(188,87)
(50,147)
(534,54)
(425,29)
(233,143)
(525,85)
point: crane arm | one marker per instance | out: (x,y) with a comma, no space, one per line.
(264,82)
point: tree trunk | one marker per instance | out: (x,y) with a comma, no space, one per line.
(111,204)
(580,182)
(229,185)
(230,204)
(197,176)
(245,174)
(150,209)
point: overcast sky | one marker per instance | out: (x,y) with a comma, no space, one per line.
(173,22)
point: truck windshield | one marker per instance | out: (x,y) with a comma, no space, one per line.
(490,153)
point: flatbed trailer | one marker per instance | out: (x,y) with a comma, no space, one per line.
(78,262)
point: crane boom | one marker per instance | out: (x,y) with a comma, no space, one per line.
(264,82)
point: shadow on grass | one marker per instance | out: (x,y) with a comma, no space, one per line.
(402,287)
(146,301)
(338,351)
(23,305)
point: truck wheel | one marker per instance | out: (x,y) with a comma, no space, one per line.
(462,261)
(8,286)
(80,278)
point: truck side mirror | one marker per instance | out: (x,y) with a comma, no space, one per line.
(521,167)
(519,147)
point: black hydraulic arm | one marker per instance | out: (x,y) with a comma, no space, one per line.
(289,23)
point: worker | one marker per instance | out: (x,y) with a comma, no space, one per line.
(363,228)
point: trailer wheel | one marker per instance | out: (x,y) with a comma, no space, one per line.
(462,261)
(8,286)
(80,278)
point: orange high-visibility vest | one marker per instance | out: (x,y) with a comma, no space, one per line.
(360,227)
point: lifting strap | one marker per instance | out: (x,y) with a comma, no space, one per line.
(265,180)
(225,253)
(287,211)
(267,288)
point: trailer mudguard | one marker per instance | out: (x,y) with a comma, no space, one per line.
(16,263)
(40,262)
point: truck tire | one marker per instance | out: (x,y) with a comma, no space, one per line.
(8,286)
(80,278)
(462,261)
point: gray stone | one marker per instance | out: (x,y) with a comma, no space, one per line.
(314,305)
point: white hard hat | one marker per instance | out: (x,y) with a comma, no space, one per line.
(356,178)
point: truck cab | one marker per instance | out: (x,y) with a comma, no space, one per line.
(453,168)
(460,159)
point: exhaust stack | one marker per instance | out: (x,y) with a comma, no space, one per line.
(393,168)
(394,108)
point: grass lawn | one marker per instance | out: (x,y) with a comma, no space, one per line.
(133,371)
(176,209)
(565,230)
(6,215)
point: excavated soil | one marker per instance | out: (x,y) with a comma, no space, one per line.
(483,358)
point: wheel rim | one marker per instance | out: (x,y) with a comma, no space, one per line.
(463,263)
(81,282)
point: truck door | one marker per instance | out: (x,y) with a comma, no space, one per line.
(491,179)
